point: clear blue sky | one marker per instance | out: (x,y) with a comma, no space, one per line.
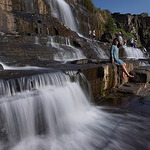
(124,6)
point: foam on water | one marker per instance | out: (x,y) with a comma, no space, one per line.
(51,112)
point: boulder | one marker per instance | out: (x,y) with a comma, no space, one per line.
(106,37)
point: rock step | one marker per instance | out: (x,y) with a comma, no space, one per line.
(142,74)
(139,85)
(145,92)
(131,88)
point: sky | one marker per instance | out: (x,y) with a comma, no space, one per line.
(124,6)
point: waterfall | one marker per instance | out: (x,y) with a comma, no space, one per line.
(6,67)
(51,112)
(62,11)
(101,54)
(65,51)
(37,40)
(132,52)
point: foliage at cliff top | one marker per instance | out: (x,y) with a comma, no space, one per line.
(89,5)
(114,27)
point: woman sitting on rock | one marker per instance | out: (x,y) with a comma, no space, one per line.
(115,59)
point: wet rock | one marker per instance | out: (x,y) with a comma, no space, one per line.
(79,62)
(78,42)
(138,105)
(142,74)
(2,33)
(1,67)
(106,37)
(130,88)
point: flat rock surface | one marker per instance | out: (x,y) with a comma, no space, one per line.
(140,106)
(131,88)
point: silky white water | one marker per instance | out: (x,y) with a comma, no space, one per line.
(132,52)
(51,112)
(6,67)
(37,40)
(62,11)
(98,50)
(65,51)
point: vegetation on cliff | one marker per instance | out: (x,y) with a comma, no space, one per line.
(104,21)
(89,5)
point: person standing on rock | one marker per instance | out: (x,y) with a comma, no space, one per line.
(114,58)
(120,39)
(94,34)
(90,34)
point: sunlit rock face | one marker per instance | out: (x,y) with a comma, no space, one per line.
(30,18)
(138,25)
(30,6)
(25,16)
(7,20)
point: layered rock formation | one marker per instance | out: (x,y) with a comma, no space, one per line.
(21,22)
(138,25)
(29,18)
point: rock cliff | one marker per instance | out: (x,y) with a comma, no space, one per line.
(31,35)
(138,25)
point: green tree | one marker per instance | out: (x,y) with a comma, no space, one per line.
(89,5)
(110,25)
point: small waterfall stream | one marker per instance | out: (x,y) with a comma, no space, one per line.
(65,51)
(132,52)
(37,40)
(62,11)
(101,54)
(51,112)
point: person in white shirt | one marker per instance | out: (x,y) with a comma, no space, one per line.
(94,34)
(90,34)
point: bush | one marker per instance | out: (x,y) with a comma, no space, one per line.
(115,27)
(89,5)
(110,25)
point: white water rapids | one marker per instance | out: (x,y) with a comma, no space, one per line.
(51,112)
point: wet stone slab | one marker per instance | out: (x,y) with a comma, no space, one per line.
(132,88)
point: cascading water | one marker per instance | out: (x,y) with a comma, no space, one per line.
(37,40)
(6,67)
(131,52)
(65,51)
(62,11)
(98,50)
(51,112)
